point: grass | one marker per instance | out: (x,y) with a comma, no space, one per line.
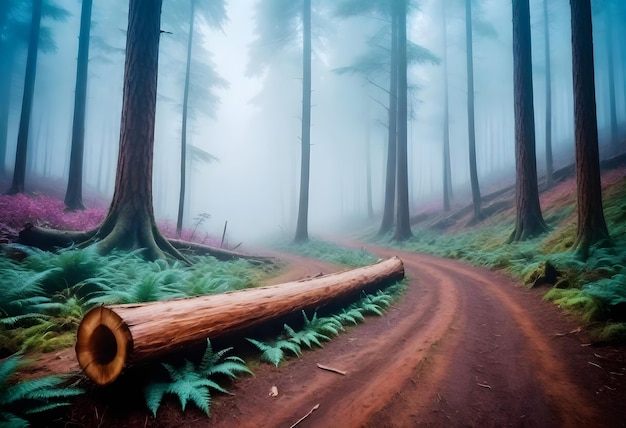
(330,252)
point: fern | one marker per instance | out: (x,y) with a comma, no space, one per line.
(192,382)
(351,315)
(30,396)
(306,337)
(274,353)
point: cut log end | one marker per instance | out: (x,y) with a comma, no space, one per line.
(103,344)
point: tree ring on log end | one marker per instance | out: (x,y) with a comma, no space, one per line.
(103,345)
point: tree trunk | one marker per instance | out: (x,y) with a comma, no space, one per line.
(403,221)
(392,137)
(302,232)
(549,161)
(183,142)
(529,221)
(591,224)
(130,223)
(610,51)
(5,107)
(368,173)
(447,173)
(19,171)
(470,112)
(114,337)
(74,192)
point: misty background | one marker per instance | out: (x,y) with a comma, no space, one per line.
(243,165)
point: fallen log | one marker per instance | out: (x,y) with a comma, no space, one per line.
(111,338)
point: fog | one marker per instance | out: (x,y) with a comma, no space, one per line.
(250,120)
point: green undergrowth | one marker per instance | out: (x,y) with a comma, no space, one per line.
(43,295)
(330,252)
(318,329)
(593,288)
(22,401)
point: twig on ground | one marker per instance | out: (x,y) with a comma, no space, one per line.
(317,406)
(484,385)
(330,369)
(594,364)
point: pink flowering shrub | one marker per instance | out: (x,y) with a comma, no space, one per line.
(41,210)
(47,211)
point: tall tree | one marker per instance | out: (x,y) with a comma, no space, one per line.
(183,140)
(471,127)
(385,61)
(214,14)
(74,192)
(302,233)
(610,52)
(447,172)
(392,137)
(546,38)
(529,221)
(19,172)
(591,228)
(403,224)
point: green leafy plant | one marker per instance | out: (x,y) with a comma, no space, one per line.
(274,352)
(28,397)
(316,330)
(193,382)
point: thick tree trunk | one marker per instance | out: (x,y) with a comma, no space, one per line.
(549,161)
(529,221)
(591,224)
(130,223)
(403,220)
(19,171)
(447,173)
(392,137)
(302,228)
(183,140)
(470,112)
(114,337)
(74,192)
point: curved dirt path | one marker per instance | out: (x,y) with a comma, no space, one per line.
(464,346)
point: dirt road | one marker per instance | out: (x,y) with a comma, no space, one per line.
(464,346)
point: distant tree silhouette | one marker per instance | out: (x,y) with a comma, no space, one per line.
(74,192)
(19,171)
(302,228)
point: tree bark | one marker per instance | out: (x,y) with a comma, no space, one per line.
(470,112)
(130,223)
(549,160)
(19,171)
(529,221)
(403,220)
(591,228)
(392,137)
(74,192)
(368,173)
(183,141)
(302,228)
(114,337)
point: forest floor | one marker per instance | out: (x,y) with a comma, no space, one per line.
(463,346)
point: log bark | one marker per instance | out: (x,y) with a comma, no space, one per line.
(111,338)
